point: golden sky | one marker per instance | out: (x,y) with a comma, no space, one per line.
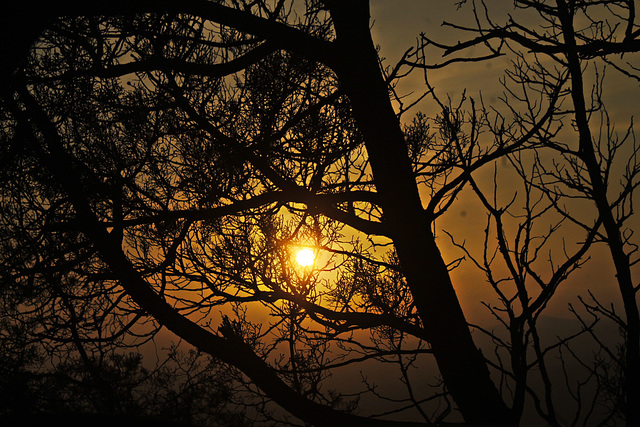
(396,26)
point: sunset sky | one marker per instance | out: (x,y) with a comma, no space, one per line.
(210,193)
(396,27)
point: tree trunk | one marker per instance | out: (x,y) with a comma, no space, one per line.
(462,366)
(631,386)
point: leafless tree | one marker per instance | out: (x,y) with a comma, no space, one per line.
(591,177)
(164,161)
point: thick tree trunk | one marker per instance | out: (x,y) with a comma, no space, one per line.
(462,366)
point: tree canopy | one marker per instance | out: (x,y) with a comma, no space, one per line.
(164,162)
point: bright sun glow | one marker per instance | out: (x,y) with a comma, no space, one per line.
(305,257)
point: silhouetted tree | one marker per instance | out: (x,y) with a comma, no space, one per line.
(592,167)
(185,389)
(163,162)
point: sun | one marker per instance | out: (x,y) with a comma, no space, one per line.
(305,257)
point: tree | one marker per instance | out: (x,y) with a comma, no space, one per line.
(164,160)
(182,391)
(571,36)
